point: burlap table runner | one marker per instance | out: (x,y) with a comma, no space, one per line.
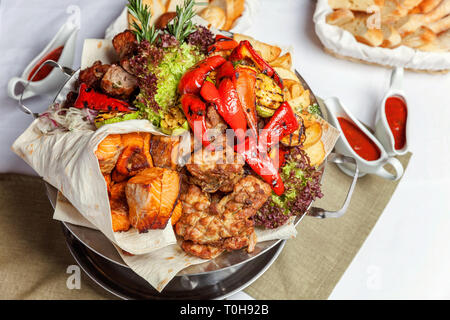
(34,259)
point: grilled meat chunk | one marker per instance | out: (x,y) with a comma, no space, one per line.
(203,251)
(164,151)
(226,225)
(216,170)
(124,43)
(93,75)
(118,83)
(214,120)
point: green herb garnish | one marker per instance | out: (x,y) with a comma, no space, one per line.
(143,15)
(314,109)
(181,26)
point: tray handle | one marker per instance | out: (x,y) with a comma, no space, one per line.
(67,71)
(322,213)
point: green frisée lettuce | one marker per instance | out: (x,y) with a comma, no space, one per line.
(176,62)
(158,100)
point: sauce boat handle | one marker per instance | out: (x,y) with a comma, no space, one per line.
(322,213)
(67,71)
(397,78)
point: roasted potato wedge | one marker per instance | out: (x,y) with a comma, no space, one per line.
(316,153)
(286,74)
(308,119)
(313,134)
(301,102)
(267,51)
(292,89)
(284,61)
(296,90)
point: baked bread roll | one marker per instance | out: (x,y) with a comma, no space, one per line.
(419,38)
(156,8)
(428,5)
(214,15)
(440,44)
(415,21)
(440,25)
(358,27)
(394,10)
(340,16)
(356,5)
(391,37)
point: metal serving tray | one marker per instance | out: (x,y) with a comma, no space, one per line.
(85,243)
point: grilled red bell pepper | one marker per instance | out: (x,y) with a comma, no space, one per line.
(222,43)
(192,80)
(88,98)
(227,104)
(244,80)
(195,110)
(261,163)
(278,156)
(225,71)
(282,123)
(245,51)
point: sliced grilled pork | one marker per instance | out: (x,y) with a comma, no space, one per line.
(118,83)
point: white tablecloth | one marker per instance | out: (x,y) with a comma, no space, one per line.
(407,255)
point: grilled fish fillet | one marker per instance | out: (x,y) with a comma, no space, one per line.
(108,152)
(151,196)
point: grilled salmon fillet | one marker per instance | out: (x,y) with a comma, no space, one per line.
(151,196)
(119,215)
(170,190)
(136,154)
(164,151)
(108,152)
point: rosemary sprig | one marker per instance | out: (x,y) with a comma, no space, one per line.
(181,26)
(143,15)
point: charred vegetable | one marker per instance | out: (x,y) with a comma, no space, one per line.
(244,51)
(297,137)
(88,98)
(103,117)
(269,96)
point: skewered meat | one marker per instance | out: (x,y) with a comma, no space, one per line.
(214,120)
(136,154)
(151,196)
(203,251)
(118,83)
(124,43)
(164,151)
(226,224)
(216,170)
(108,151)
(93,75)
